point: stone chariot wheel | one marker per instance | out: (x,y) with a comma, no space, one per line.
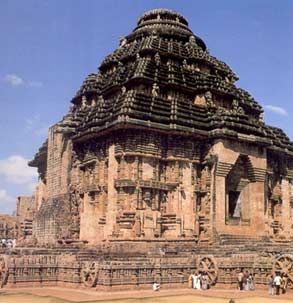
(3,271)
(208,264)
(284,264)
(89,274)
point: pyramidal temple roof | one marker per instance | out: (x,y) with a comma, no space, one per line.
(163,77)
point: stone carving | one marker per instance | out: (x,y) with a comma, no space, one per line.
(284,265)
(192,40)
(236,109)
(84,104)
(155,90)
(89,273)
(123,41)
(123,90)
(157,59)
(209,99)
(208,264)
(3,271)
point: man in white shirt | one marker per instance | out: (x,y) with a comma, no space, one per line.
(277,282)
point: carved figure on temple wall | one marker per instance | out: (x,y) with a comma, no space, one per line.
(184,64)
(94,102)
(123,41)
(192,41)
(236,108)
(123,90)
(209,99)
(155,90)
(157,59)
(84,104)
(262,117)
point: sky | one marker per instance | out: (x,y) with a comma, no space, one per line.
(49,47)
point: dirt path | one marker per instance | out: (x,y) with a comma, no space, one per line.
(64,295)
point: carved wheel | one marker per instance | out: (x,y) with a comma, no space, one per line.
(284,264)
(89,274)
(3,271)
(208,264)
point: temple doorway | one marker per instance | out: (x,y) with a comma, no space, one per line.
(237,192)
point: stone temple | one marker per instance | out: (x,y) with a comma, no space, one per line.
(161,167)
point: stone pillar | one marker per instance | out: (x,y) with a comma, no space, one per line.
(112,193)
(187,203)
(257,208)
(220,209)
(286,207)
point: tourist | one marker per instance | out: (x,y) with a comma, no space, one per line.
(240,280)
(277,283)
(246,281)
(284,283)
(271,285)
(204,281)
(250,280)
(156,286)
(196,281)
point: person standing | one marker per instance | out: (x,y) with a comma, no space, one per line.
(246,280)
(196,281)
(204,281)
(240,279)
(277,282)
(271,284)
(251,282)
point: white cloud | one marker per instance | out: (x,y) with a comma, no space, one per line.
(5,198)
(13,80)
(15,170)
(16,80)
(277,110)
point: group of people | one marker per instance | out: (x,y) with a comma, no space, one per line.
(199,281)
(246,280)
(277,283)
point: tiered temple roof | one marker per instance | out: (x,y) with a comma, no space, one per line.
(162,76)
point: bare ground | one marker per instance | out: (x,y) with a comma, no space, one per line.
(64,295)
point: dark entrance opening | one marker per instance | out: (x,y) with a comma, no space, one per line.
(233,207)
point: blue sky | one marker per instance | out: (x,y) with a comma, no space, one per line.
(48,48)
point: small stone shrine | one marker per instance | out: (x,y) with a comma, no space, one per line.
(162,167)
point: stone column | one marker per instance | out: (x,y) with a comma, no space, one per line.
(286,207)
(220,209)
(257,208)
(112,193)
(187,199)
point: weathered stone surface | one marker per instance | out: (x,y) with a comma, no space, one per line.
(8,227)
